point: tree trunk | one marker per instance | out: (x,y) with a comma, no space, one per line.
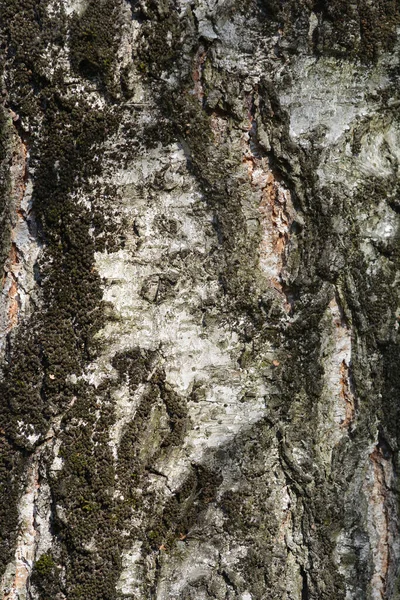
(199,317)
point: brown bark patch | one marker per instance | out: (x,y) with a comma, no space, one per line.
(275,209)
(346,395)
(198,72)
(379,515)
(19,174)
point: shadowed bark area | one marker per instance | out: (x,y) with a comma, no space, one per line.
(199,210)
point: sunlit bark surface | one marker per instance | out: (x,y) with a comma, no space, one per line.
(199,226)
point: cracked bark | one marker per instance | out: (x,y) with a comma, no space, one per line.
(199,316)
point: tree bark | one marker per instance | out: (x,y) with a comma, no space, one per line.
(199,342)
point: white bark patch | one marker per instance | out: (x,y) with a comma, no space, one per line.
(337,369)
(378,524)
(378,227)
(158,285)
(77,6)
(329,95)
(15,579)
(125,408)
(337,409)
(192,354)
(130,580)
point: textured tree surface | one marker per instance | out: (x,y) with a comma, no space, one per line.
(200,354)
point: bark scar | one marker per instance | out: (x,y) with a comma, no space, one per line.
(276,211)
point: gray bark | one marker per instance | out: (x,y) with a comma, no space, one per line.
(199,317)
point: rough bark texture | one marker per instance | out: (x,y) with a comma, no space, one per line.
(199,208)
